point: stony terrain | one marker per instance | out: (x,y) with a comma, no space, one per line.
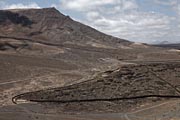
(124,88)
(57,68)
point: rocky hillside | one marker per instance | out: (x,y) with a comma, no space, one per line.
(118,90)
(66,66)
(50,26)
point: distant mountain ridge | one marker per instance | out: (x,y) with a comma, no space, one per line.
(174,46)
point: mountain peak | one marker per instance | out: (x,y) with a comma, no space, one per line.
(50,25)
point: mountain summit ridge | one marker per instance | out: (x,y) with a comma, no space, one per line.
(50,25)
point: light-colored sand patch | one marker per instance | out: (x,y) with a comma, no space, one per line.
(125,47)
(139,45)
(174,50)
(98,45)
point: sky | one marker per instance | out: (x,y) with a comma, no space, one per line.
(147,21)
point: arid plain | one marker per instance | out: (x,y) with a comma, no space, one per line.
(52,67)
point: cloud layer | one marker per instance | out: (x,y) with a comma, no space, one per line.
(4,5)
(125,19)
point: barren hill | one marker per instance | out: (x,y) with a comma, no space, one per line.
(50,26)
(47,57)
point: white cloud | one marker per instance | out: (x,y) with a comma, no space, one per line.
(166,2)
(128,5)
(137,26)
(80,5)
(18,6)
(178,9)
(122,19)
(86,5)
(93,15)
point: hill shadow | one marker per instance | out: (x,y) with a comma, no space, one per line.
(15,18)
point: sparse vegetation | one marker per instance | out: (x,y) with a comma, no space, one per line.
(57,67)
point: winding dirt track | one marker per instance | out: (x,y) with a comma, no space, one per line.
(15,99)
(126,116)
(11,82)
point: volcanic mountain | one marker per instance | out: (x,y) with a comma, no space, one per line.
(49,26)
(58,65)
